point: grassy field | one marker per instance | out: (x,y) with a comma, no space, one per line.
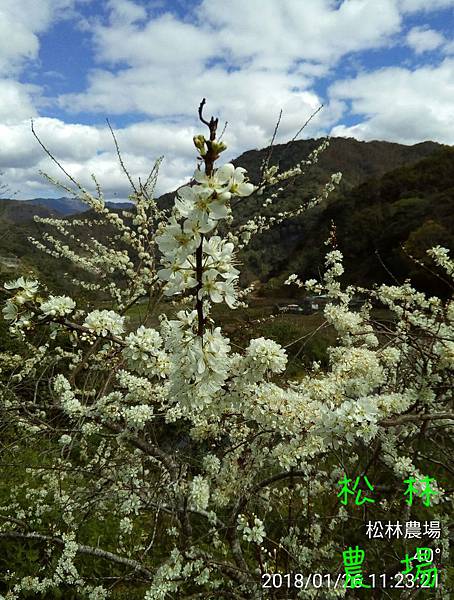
(305,337)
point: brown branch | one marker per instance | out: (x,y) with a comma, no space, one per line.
(392,422)
(232,535)
(81,549)
(209,159)
(287,145)
(147,448)
(266,162)
(52,157)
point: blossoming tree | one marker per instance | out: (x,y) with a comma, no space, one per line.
(169,465)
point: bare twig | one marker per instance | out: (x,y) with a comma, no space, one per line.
(52,157)
(117,147)
(287,145)
(81,549)
(266,162)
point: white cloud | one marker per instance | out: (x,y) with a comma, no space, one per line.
(21,23)
(16,101)
(318,30)
(126,11)
(410,6)
(449,48)
(247,73)
(424,39)
(172,63)
(400,105)
(83,150)
(248,58)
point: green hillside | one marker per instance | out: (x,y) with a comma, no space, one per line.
(412,206)
(376,210)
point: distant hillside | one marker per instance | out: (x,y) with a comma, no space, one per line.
(17,211)
(358,161)
(390,194)
(411,206)
(63,207)
(18,255)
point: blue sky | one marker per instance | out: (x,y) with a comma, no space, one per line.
(384,69)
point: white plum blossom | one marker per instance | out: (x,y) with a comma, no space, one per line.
(226,181)
(65,440)
(70,404)
(144,354)
(266,355)
(29,287)
(203,362)
(58,306)
(105,322)
(138,416)
(177,241)
(200,493)
(255,533)
(10,311)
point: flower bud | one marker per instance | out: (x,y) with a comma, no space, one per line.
(199,143)
(218,147)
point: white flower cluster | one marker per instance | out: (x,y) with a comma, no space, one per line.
(268,354)
(211,464)
(65,440)
(358,368)
(13,309)
(441,257)
(28,287)
(143,352)
(70,404)
(353,419)
(105,322)
(58,306)
(200,493)
(200,208)
(271,175)
(199,365)
(260,223)
(256,533)
(263,356)
(165,582)
(139,389)
(138,416)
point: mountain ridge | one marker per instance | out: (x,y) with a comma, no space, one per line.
(64,206)
(297,245)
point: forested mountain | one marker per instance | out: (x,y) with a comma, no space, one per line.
(390,195)
(410,207)
(63,207)
(358,161)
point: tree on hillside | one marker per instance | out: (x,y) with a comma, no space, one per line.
(157,460)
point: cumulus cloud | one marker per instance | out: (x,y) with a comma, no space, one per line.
(248,74)
(318,30)
(83,150)
(16,101)
(424,39)
(150,63)
(401,105)
(170,63)
(125,11)
(412,6)
(20,25)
